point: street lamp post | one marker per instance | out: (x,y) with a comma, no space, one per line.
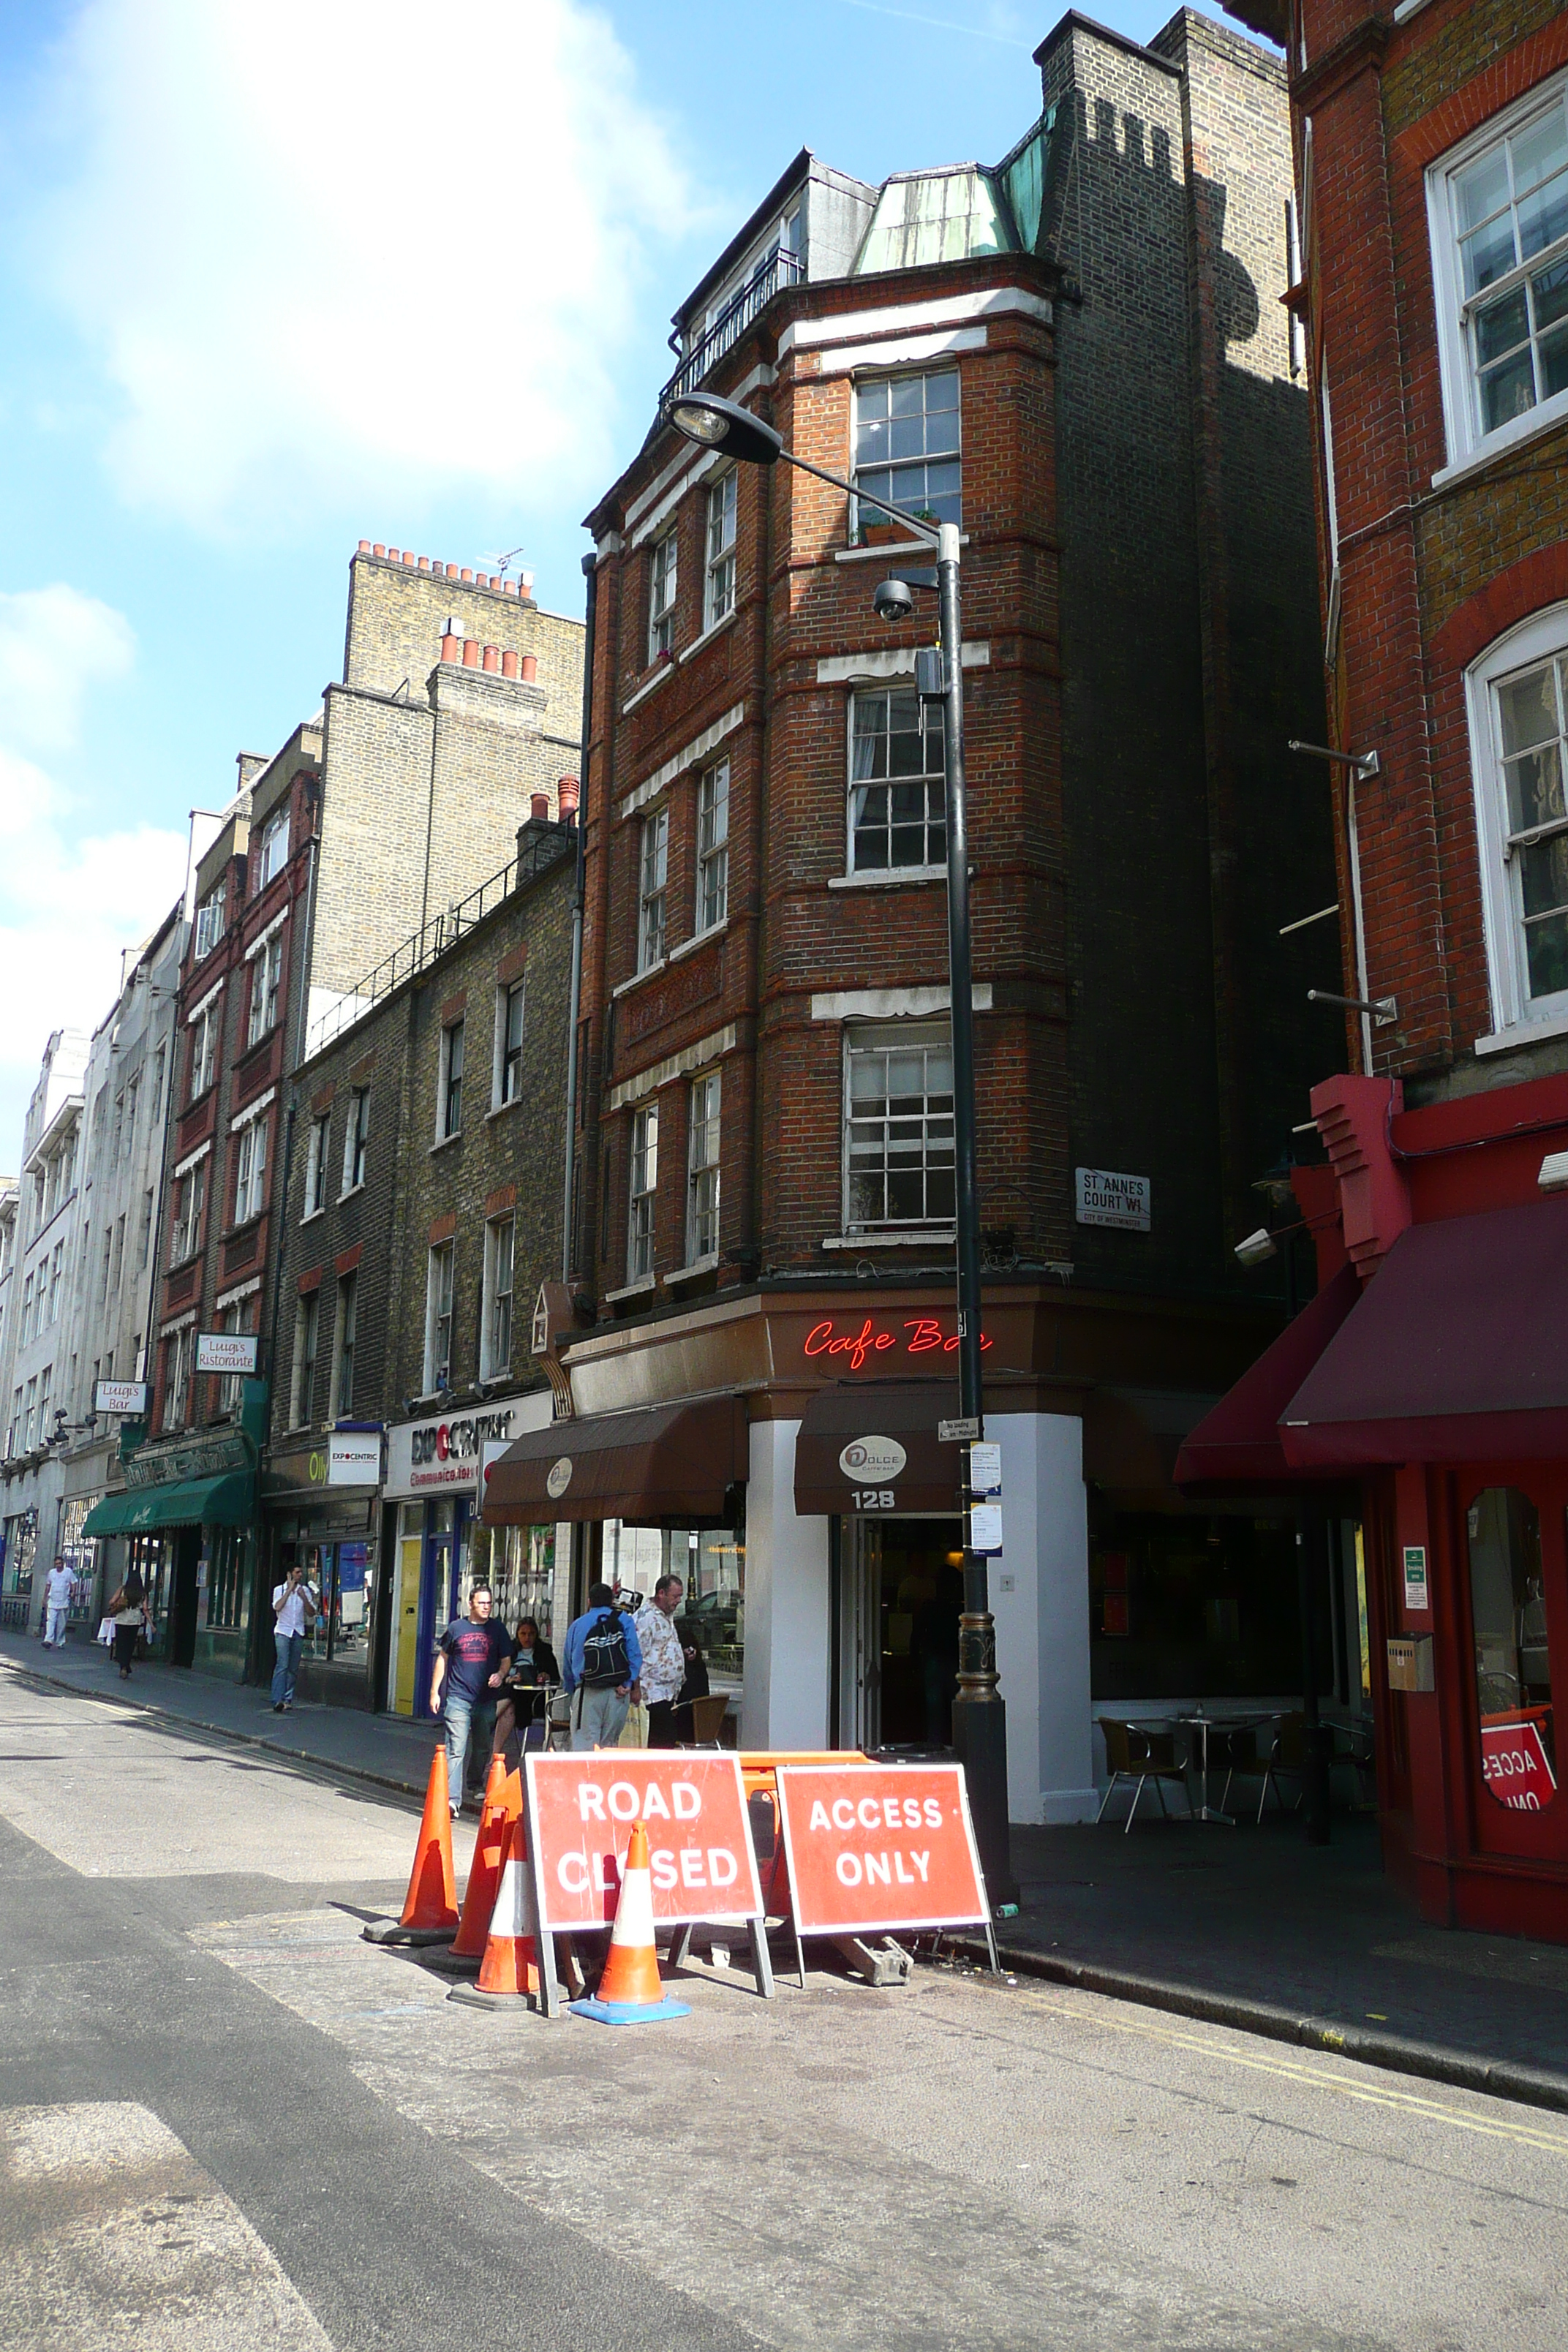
(979,1715)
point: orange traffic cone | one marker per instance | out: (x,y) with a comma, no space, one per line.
(630,1991)
(503,1804)
(510,1969)
(430,1913)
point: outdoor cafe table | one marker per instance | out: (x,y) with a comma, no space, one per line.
(1201,1725)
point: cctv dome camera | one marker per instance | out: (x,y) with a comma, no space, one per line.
(894,600)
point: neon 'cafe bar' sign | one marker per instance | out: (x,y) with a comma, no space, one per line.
(918,1335)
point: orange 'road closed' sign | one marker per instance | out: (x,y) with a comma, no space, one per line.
(581,1808)
(879,1847)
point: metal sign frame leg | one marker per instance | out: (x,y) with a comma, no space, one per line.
(761,1959)
(549,1991)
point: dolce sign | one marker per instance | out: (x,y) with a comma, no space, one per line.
(425,1456)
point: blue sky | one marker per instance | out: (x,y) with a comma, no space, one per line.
(276,279)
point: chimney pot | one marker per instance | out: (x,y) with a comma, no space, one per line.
(470,653)
(394,555)
(508,664)
(378,549)
(365,547)
(567,795)
(424,563)
(539,806)
(451,647)
(466,573)
(529,668)
(492,658)
(509,587)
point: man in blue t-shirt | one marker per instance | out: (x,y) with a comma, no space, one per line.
(471,1660)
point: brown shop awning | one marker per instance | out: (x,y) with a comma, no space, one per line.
(1453,1351)
(878,1436)
(1236,1446)
(670,1465)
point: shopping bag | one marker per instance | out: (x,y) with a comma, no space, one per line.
(106,1633)
(633,1731)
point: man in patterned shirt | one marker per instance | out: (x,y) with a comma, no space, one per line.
(663,1660)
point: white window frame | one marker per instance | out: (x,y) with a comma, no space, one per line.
(440,1301)
(446,1124)
(932,721)
(356,1140)
(181,1345)
(507,1055)
(642,1191)
(902,469)
(188,1212)
(712,908)
(346,1332)
(29,1414)
(1542,637)
(703,1126)
(317,1152)
(718,571)
(663,586)
(212,919)
(271,858)
(307,1349)
(250,1170)
(204,1048)
(498,1325)
(881,1037)
(266,980)
(1461,404)
(653,887)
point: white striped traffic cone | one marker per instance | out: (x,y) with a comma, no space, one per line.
(630,1991)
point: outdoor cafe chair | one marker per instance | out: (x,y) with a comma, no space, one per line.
(1138,1752)
(1287,1754)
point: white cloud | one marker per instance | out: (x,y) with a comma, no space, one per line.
(70,899)
(324,247)
(54,643)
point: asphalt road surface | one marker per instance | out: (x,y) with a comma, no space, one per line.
(227,2119)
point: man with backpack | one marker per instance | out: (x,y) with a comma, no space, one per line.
(600,1670)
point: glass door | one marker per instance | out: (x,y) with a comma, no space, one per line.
(1513,1552)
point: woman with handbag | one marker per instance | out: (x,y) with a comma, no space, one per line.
(128,1612)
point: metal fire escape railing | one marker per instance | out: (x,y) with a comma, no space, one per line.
(411,956)
(781,269)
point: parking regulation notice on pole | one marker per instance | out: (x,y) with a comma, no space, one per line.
(581,1809)
(880,1848)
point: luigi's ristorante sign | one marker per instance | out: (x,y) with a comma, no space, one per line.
(444,1456)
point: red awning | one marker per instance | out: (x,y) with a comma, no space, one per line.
(1237,1444)
(1454,1353)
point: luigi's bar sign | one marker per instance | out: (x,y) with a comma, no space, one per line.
(853,1344)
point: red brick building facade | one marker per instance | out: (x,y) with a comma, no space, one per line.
(1432,159)
(764,1207)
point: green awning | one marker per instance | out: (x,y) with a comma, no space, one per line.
(225,1502)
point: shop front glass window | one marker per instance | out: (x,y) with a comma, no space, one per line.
(1513,1663)
(712,1564)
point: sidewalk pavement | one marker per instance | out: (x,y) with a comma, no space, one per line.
(1246,1926)
(387,1750)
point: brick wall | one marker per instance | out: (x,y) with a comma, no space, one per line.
(1143,594)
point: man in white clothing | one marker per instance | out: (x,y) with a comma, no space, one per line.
(663,1659)
(293,1608)
(56,1603)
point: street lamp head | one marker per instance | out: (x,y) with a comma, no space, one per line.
(894,600)
(716,424)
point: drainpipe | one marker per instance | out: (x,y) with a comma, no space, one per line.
(590,575)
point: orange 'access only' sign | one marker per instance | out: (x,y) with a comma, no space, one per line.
(581,1808)
(879,1847)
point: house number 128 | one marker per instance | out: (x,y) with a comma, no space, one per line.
(873,1498)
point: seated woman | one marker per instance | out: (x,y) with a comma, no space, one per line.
(534,1667)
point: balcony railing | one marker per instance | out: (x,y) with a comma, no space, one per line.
(433,938)
(771,277)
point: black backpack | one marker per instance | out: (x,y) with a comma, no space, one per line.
(606,1663)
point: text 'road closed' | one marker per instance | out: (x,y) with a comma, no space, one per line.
(878,1847)
(581,1809)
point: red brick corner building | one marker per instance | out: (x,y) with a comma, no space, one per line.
(1080,357)
(1422,1399)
